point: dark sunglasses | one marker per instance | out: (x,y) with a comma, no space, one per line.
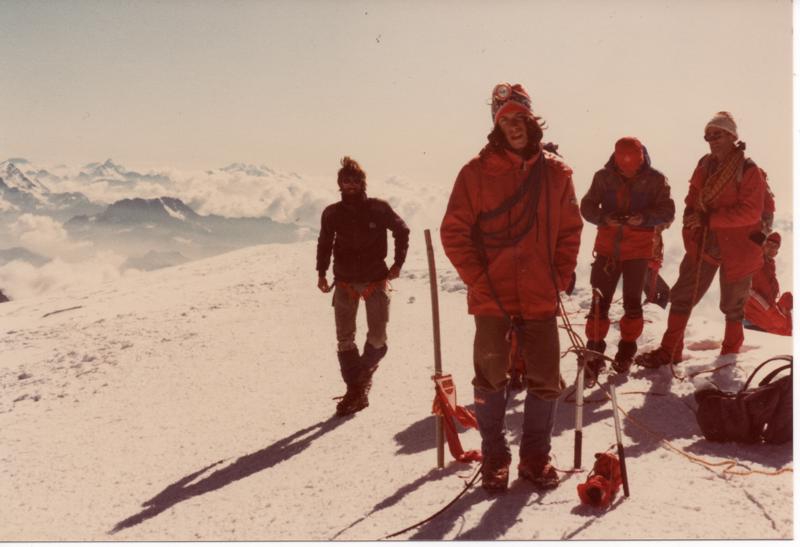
(713,136)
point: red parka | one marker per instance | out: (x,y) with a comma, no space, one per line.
(525,273)
(646,194)
(735,215)
(765,281)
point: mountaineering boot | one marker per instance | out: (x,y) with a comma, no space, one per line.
(490,412)
(537,425)
(534,449)
(352,401)
(357,396)
(734,337)
(594,364)
(671,344)
(369,361)
(624,357)
(368,365)
(494,473)
(653,359)
(537,469)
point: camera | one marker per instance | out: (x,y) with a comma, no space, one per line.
(622,218)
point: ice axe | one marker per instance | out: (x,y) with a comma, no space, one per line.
(579,413)
(620,448)
(437,352)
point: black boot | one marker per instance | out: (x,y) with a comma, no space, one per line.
(625,354)
(369,363)
(593,364)
(490,412)
(349,364)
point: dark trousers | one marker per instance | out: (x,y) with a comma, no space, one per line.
(605,277)
(732,294)
(539,345)
(538,342)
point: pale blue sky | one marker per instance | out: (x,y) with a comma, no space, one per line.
(401,86)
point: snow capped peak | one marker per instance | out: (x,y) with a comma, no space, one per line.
(176,208)
(14,178)
(106,170)
(138,210)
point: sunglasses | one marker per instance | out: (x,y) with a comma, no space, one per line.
(711,137)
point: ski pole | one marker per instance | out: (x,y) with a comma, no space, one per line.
(620,449)
(579,414)
(437,351)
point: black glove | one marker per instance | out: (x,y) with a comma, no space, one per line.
(571,285)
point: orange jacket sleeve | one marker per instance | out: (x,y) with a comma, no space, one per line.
(456,229)
(568,241)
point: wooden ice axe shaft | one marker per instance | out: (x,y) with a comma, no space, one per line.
(437,349)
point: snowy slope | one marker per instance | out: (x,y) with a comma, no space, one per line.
(195,403)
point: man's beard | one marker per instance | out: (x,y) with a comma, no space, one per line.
(357,197)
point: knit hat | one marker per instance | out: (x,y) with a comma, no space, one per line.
(507,98)
(723,120)
(775,237)
(629,154)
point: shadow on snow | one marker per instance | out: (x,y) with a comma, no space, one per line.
(189,486)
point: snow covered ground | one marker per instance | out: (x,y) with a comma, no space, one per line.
(195,403)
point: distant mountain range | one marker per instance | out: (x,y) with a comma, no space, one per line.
(20,194)
(167,224)
(115,174)
(136,226)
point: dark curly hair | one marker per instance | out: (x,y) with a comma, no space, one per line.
(351,170)
(535,126)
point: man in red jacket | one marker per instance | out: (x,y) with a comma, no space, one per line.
(724,209)
(761,309)
(628,200)
(512,230)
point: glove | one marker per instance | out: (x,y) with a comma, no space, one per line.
(570,285)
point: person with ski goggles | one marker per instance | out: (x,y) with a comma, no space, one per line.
(512,230)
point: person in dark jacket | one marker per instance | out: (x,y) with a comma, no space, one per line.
(355,230)
(724,211)
(627,200)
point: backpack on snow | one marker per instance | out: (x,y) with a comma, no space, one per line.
(751,415)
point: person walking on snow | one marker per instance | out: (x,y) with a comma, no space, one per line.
(512,230)
(355,230)
(723,211)
(627,200)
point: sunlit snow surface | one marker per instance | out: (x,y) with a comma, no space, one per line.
(196,403)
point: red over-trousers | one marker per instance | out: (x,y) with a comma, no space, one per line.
(722,243)
(761,309)
(623,250)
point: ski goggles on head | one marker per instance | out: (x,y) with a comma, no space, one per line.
(504,93)
(501,92)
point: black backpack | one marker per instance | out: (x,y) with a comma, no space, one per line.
(751,415)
